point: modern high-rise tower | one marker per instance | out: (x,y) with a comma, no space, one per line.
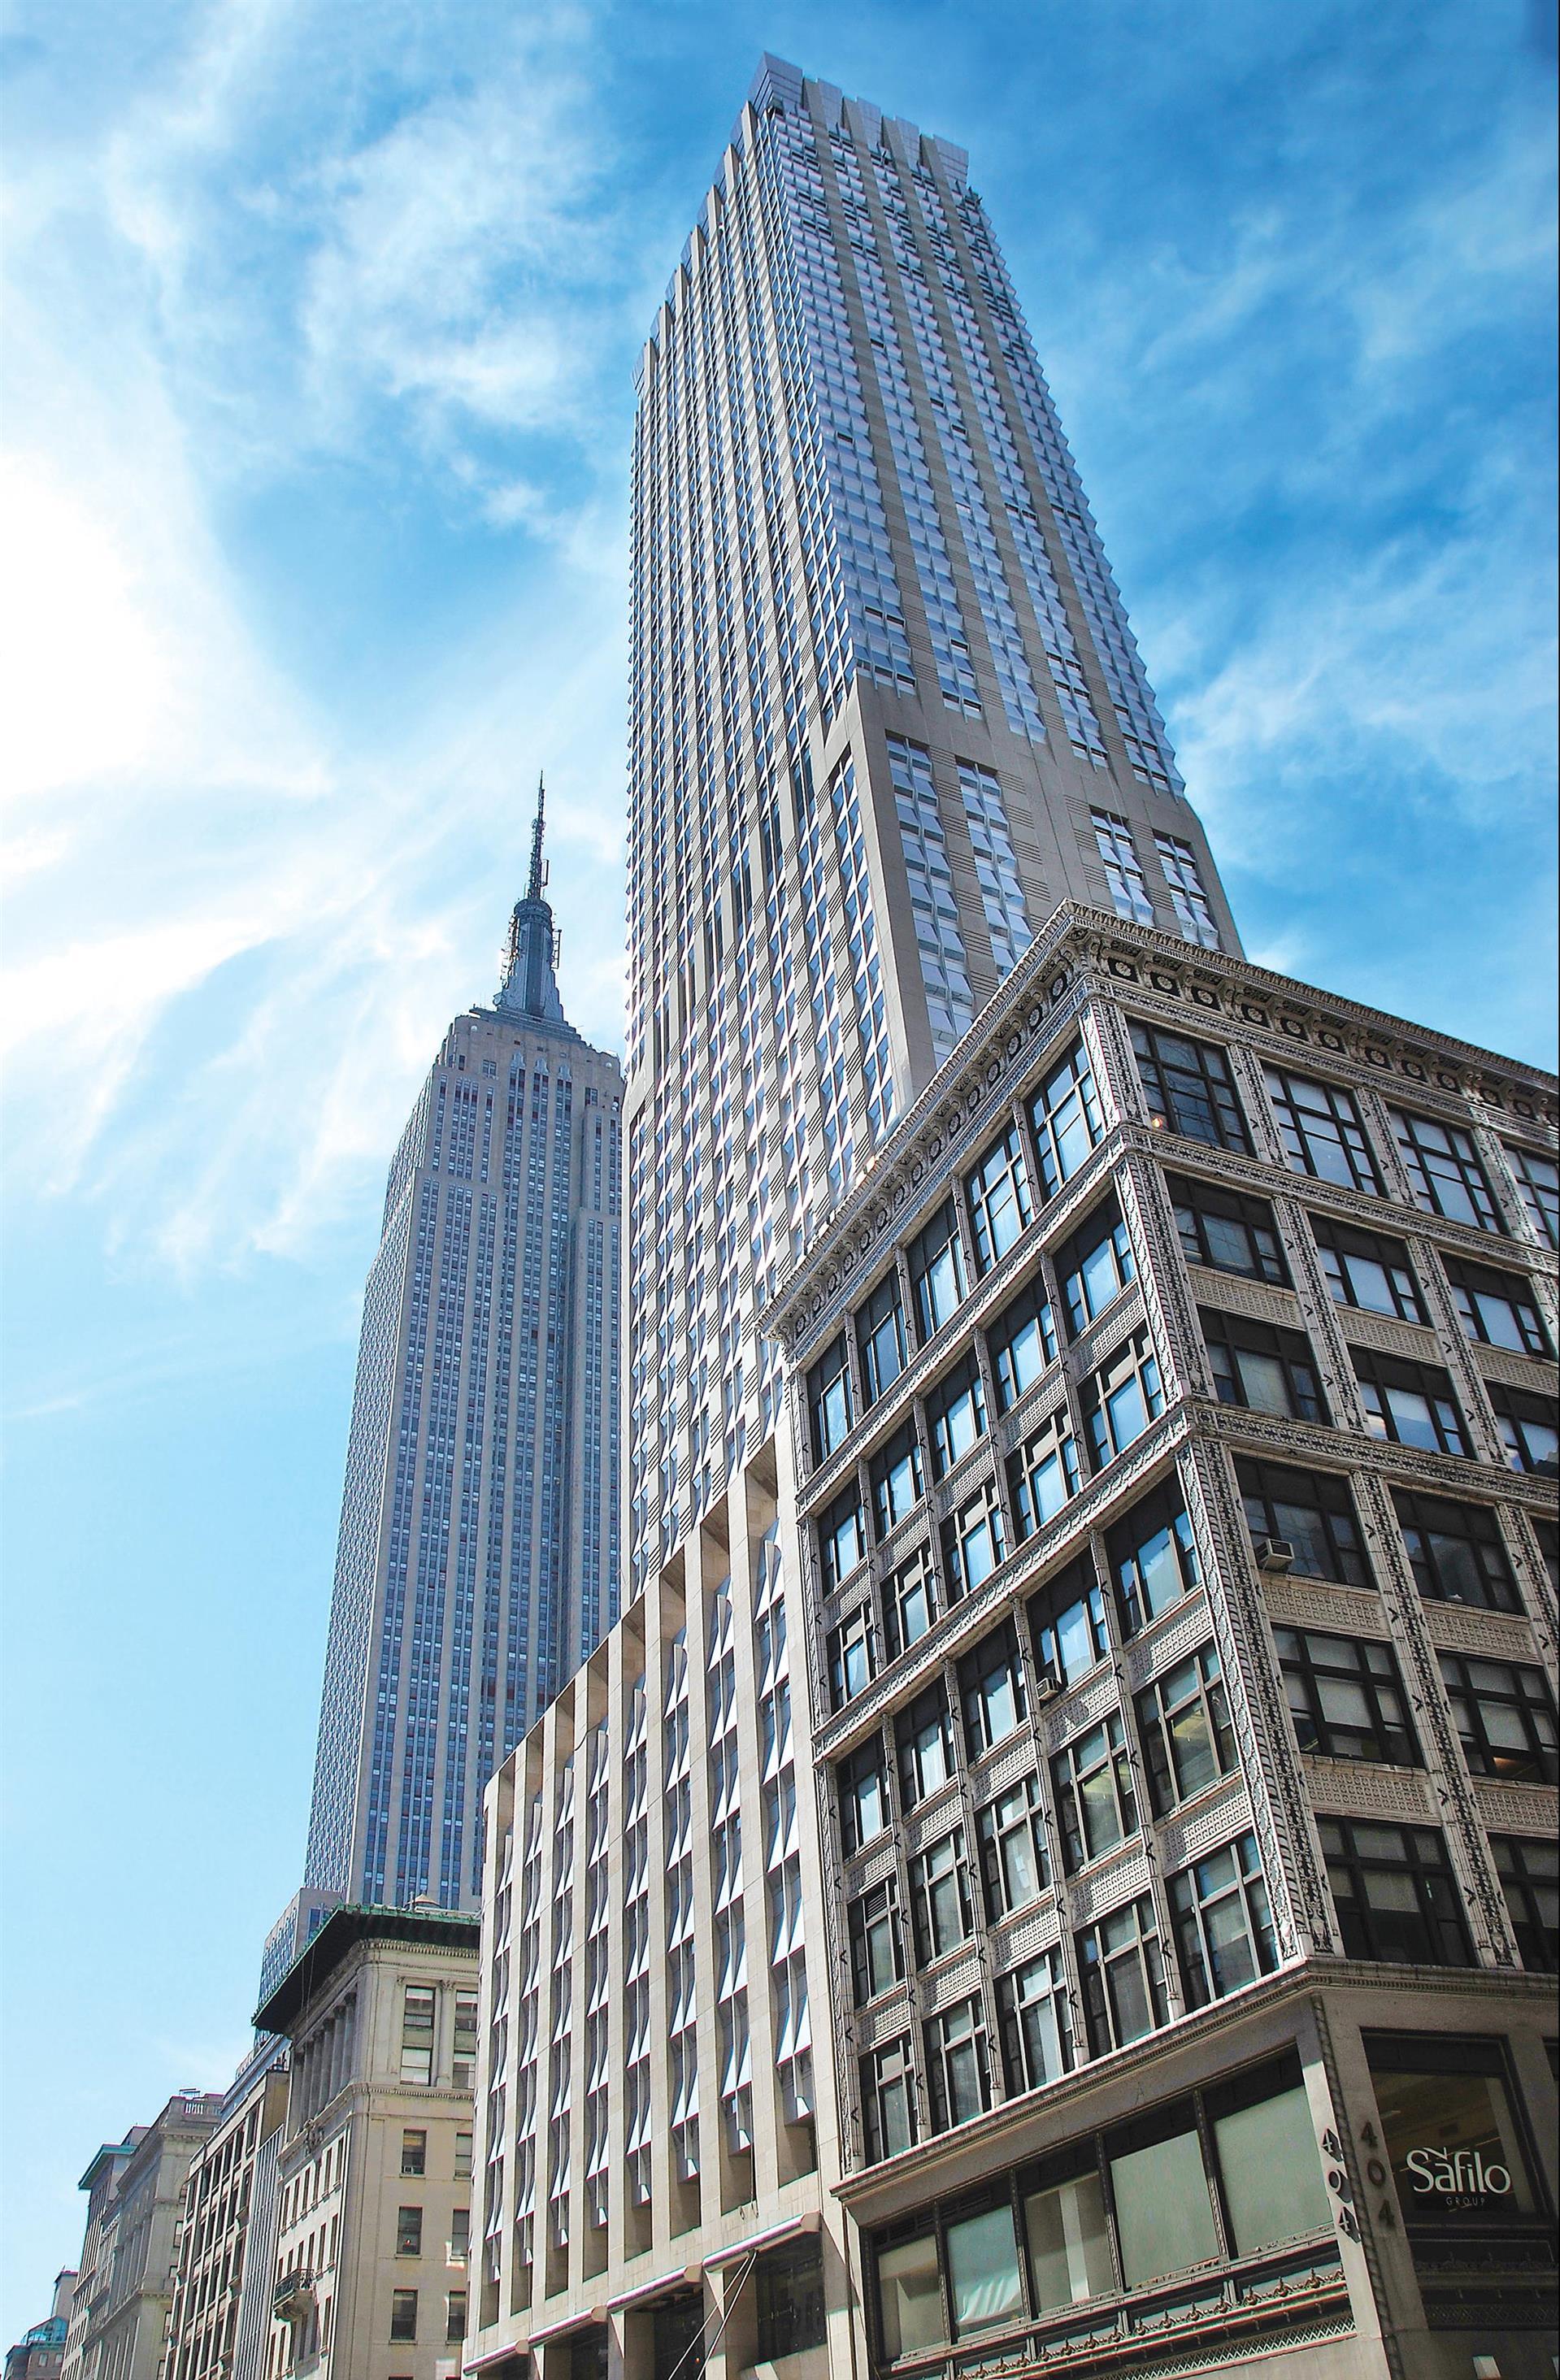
(1054,1868)
(886,713)
(478,1559)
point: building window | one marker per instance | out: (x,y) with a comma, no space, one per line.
(1163,2208)
(1035,2021)
(1312,1511)
(1152,1558)
(1124,869)
(1528,1431)
(403,2315)
(910,2297)
(1548,1536)
(937,1273)
(1456,1551)
(1093,1267)
(455,2317)
(1184,1722)
(1450,2132)
(1319,1127)
(1193,915)
(991,1687)
(828,1390)
(910,1602)
(974,1541)
(1096,1806)
(1538,1184)
(791,2299)
(875,1961)
(863,1798)
(1394,1893)
(984,2283)
(851,1657)
(416,2034)
(1068,1621)
(1121,1399)
(1346,1697)
(1068,2231)
(1496,1309)
(842,1540)
(1366,1271)
(1445,1174)
(1043,1473)
(926,1751)
(880,1334)
(463,2156)
(1529,1867)
(889,2115)
(1023,1344)
(898,1480)
(1227,1230)
(1255,1364)
(1000,1205)
(955,1415)
(414,2153)
(958,2066)
(460,2233)
(463,2068)
(409,2231)
(1504,1716)
(1188,1088)
(1224,1925)
(1013,1856)
(1410,1404)
(1123,1970)
(940,1898)
(1065,1113)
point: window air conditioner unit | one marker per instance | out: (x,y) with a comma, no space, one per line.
(1047,1683)
(1275,1554)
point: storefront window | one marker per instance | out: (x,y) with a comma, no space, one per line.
(1448,2131)
(909,2296)
(1163,2215)
(1069,2244)
(1268,2161)
(983,2269)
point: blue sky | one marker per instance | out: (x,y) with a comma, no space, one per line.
(321,324)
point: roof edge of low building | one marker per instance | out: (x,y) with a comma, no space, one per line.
(342,1930)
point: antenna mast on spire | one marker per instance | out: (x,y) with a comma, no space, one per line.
(538,870)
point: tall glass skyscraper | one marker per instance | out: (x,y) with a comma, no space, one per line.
(478,1559)
(887,712)
(1060,1843)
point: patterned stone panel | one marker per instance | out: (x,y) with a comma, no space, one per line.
(945,1986)
(1012,1761)
(1519,1809)
(1179,1632)
(1499,1635)
(1038,1929)
(884,2021)
(1517,1371)
(1118,1880)
(1084,1709)
(1298,1603)
(1123,1317)
(1259,1300)
(873,1867)
(1358,1791)
(1222,1814)
(1389,1336)
(932,1819)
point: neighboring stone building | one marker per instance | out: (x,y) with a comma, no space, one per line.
(119,2311)
(478,1556)
(1146,1714)
(373,2171)
(39,2352)
(221,2315)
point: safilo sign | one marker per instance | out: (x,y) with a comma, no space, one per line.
(1460,2175)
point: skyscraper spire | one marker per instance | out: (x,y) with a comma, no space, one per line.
(530,986)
